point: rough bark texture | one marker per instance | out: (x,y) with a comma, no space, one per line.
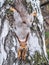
(20,22)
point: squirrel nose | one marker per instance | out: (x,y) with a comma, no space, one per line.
(24,22)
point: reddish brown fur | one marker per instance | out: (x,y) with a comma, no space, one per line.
(23,46)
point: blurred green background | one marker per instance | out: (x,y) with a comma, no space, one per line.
(45,13)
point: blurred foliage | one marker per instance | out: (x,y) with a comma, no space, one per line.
(47,42)
(47,39)
(46,9)
(47,6)
(47,34)
(48,53)
(39,59)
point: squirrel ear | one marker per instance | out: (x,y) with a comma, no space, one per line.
(18,39)
(27,37)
